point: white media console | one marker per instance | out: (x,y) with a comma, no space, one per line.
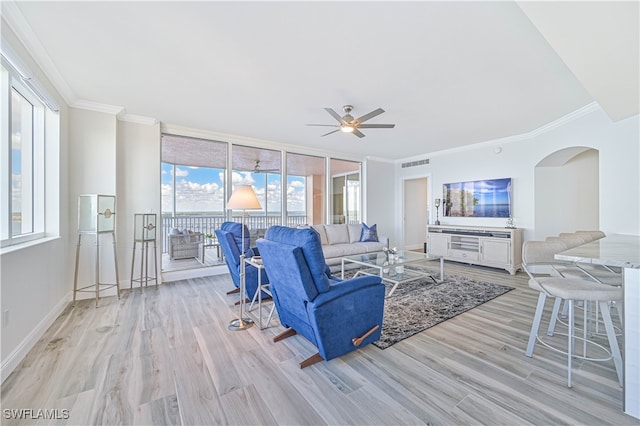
(493,247)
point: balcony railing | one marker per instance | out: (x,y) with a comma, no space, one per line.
(208,224)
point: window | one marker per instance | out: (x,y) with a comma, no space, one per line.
(193,184)
(260,168)
(306,181)
(23,162)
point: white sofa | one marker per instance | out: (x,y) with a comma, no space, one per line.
(343,240)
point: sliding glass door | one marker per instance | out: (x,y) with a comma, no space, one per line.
(193,187)
(262,169)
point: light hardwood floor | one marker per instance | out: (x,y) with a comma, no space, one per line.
(166,356)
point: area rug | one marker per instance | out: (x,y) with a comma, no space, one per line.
(421,304)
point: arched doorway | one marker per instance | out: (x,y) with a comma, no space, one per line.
(567,192)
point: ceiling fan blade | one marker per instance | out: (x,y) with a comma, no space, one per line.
(376,126)
(358,133)
(323,125)
(335,115)
(337,130)
(370,115)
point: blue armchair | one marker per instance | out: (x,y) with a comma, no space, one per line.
(230,239)
(336,316)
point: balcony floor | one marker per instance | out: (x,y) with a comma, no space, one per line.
(210,259)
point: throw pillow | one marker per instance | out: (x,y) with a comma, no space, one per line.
(369,233)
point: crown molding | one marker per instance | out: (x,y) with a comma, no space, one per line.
(589,108)
(98,107)
(138,119)
(380,159)
(580,112)
(23,31)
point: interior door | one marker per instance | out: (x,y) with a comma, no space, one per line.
(415,213)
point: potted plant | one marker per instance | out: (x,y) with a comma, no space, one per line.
(209,238)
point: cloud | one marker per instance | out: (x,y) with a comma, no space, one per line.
(296,199)
(208,197)
(194,197)
(237,178)
(181,173)
(16,140)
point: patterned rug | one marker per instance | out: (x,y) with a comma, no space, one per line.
(421,304)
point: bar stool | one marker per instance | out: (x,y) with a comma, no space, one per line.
(583,237)
(595,235)
(570,290)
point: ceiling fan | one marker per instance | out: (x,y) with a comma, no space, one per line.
(348,124)
(258,169)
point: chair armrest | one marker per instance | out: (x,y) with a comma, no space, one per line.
(346,288)
(348,310)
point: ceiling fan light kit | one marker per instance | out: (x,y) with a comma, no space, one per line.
(348,124)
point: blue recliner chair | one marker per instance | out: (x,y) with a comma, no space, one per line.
(230,239)
(335,315)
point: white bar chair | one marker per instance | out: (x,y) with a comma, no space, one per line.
(538,256)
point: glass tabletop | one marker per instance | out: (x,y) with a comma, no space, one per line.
(380,258)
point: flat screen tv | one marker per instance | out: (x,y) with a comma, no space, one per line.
(479,198)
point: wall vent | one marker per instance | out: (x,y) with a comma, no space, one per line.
(415,163)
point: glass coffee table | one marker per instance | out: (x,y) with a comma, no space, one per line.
(392,268)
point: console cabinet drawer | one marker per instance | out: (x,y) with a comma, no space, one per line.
(463,254)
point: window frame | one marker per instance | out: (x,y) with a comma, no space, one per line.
(12,81)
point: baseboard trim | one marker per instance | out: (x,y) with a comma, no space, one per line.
(194,273)
(32,338)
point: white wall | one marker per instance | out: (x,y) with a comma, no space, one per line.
(379,196)
(138,191)
(567,196)
(619,155)
(92,161)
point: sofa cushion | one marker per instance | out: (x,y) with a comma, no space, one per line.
(372,246)
(354,232)
(337,234)
(323,235)
(342,250)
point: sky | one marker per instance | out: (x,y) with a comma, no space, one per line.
(201,189)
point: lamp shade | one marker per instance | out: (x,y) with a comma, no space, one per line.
(243,198)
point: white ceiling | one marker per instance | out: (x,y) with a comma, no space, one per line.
(448,74)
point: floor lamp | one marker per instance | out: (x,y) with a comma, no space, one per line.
(243,198)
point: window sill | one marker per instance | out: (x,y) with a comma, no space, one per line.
(27,244)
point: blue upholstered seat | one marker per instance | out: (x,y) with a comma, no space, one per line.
(230,239)
(329,312)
